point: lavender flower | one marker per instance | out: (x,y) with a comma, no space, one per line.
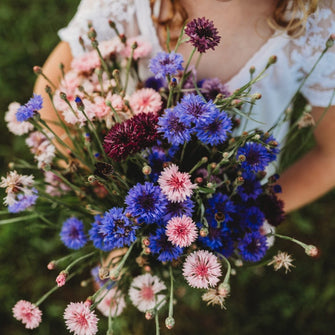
(23,202)
(166,64)
(210,88)
(72,233)
(28,110)
(203,35)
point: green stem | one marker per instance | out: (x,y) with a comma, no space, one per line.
(18,219)
(130,60)
(171,294)
(70,266)
(157,323)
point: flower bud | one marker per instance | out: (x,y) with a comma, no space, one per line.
(11,165)
(331,40)
(91,179)
(37,69)
(256,96)
(252,69)
(61,278)
(92,34)
(51,265)
(224,289)
(114,274)
(103,273)
(149,314)
(88,302)
(213,166)
(134,45)
(146,170)
(312,251)
(198,180)
(169,322)
(241,158)
(272,59)
(204,232)
(147,268)
(145,241)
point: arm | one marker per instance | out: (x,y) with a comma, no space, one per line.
(314,174)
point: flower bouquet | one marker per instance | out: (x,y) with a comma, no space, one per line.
(152,182)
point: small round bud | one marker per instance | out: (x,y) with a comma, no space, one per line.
(91,179)
(63,96)
(123,38)
(11,165)
(256,96)
(84,283)
(146,241)
(112,24)
(241,158)
(272,59)
(88,302)
(147,268)
(103,273)
(61,278)
(37,69)
(257,137)
(114,274)
(233,272)
(252,69)
(51,265)
(146,170)
(331,40)
(48,89)
(147,250)
(149,314)
(213,165)
(238,263)
(173,82)
(204,159)
(312,251)
(169,322)
(210,185)
(203,232)
(219,96)
(134,45)
(92,34)
(225,155)
(224,289)
(236,102)
(198,180)
(239,181)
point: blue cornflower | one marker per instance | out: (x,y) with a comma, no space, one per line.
(166,64)
(23,202)
(253,218)
(178,209)
(274,149)
(154,83)
(215,129)
(97,237)
(72,233)
(256,155)
(159,244)
(253,247)
(156,158)
(251,187)
(28,110)
(146,202)
(118,229)
(220,203)
(192,109)
(175,131)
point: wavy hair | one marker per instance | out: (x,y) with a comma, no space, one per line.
(289,16)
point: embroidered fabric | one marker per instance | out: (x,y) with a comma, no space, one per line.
(296,56)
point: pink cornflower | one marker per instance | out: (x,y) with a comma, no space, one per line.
(14,126)
(110,47)
(61,278)
(181,231)
(113,303)
(54,185)
(202,269)
(142,50)
(80,320)
(144,290)
(176,185)
(86,63)
(146,100)
(29,314)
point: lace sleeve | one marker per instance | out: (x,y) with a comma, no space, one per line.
(99,12)
(319,87)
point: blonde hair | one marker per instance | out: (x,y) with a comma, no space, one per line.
(289,16)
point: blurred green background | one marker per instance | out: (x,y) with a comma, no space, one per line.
(262,301)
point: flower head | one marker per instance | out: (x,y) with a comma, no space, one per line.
(14,126)
(181,231)
(210,88)
(202,269)
(29,314)
(23,202)
(144,292)
(28,110)
(282,260)
(146,202)
(178,209)
(72,233)
(203,35)
(251,187)
(113,302)
(213,297)
(253,247)
(145,100)
(177,186)
(166,64)
(97,237)
(80,320)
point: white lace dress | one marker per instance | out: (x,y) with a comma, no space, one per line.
(295,56)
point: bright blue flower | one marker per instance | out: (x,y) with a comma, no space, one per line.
(192,109)
(251,187)
(273,150)
(166,64)
(159,244)
(97,237)
(23,202)
(253,218)
(220,203)
(118,229)
(28,110)
(178,209)
(215,129)
(146,202)
(175,131)
(253,247)
(72,233)
(257,157)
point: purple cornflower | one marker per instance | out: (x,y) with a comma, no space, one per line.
(159,244)
(178,209)
(97,237)
(28,110)
(253,218)
(118,229)
(23,202)
(156,159)
(146,202)
(251,187)
(166,64)
(175,131)
(72,233)
(253,247)
(203,35)
(220,204)
(216,128)
(256,155)
(210,88)
(154,83)
(192,109)
(147,124)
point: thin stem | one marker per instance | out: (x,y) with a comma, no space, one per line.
(70,266)
(157,323)
(171,294)
(18,219)
(130,60)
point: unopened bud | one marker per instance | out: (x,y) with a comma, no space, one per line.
(224,289)
(48,89)
(51,265)
(88,302)
(236,102)
(123,38)
(169,322)
(225,155)
(203,232)
(145,241)
(146,170)
(147,250)
(11,165)
(331,40)
(63,96)
(198,180)
(114,274)
(252,69)
(37,69)
(204,159)
(173,82)
(61,278)
(239,181)
(213,165)
(91,179)
(210,185)
(272,59)
(257,137)
(103,273)
(241,158)
(256,96)
(312,250)
(92,34)
(134,45)
(149,314)
(238,263)
(147,268)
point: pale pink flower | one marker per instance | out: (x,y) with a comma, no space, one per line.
(110,47)
(54,185)
(61,278)
(181,231)
(29,314)
(266,229)
(146,100)
(87,62)
(80,320)
(16,183)
(14,126)
(202,269)
(144,291)
(175,185)
(213,297)
(113,303)
(282,260)
(143,49)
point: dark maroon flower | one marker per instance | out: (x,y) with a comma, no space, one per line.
(203,34)
(212,87)
(272,207)
(147,124)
